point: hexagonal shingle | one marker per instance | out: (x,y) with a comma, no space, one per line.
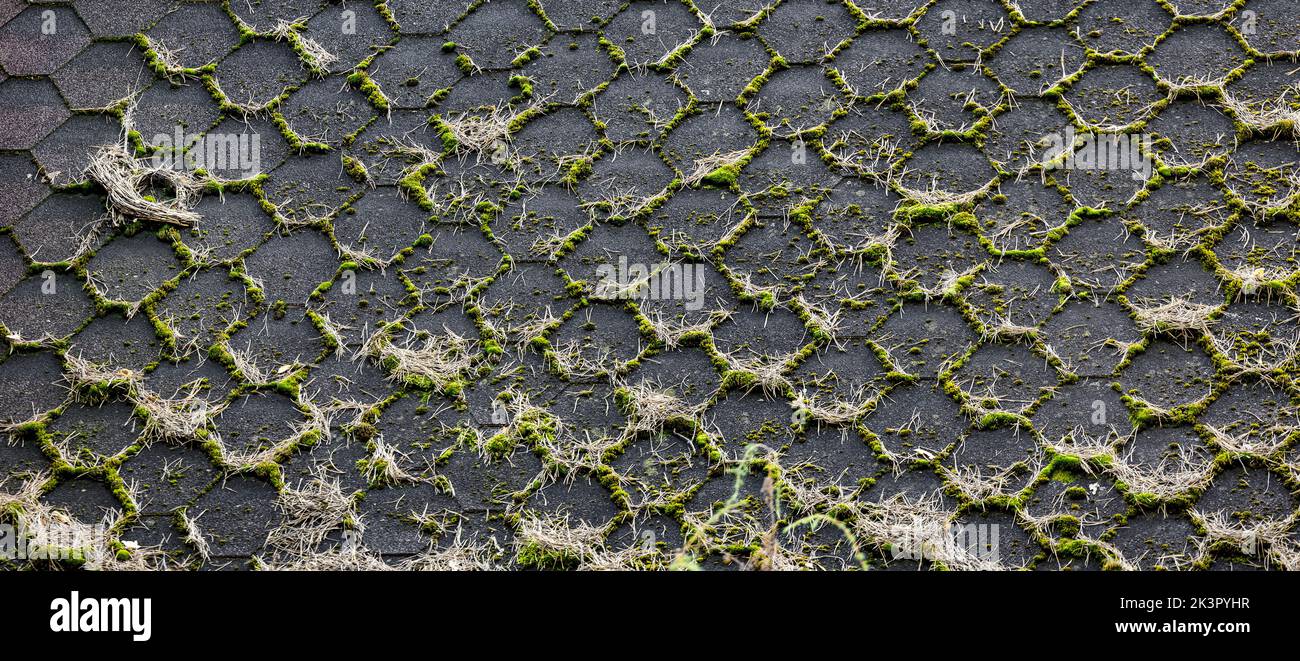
(258,72)
(414,69)
(959,29)
(1121,25)
(102,75)
(1036,58)
(1112,95)
(40,40)
(494,33)
(326,111)
(718,70)
(129,268)
(806,30)
(880,61)
(1196,55)
(871,117)
(1268,26)
(350,33)
(195,34)
(45,305)
(797,99)
(23,187)
(65,154)
(164,107)
(29,110)
(55,229)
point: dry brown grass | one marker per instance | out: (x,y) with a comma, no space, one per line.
(1262,437)
(56,535)
(1079,443)
(194,535)
(1178,316)
(652,406)
(558,535)
(317,57)
(178,418)
(832,411)
(1264,116)
(432,360)
(483,134)
(123,178)
(671,328)
(458,555)
(920,529)
(384,466)
(1172,477)
(980,484)
(707,165)
(1267,539)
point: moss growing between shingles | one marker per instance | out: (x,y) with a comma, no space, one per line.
(413,186)
(532,555)
(367,86)
(723,177)
(294,140)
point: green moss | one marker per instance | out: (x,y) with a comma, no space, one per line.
(1067,526)
(370,89)
(534,556)
(723,177)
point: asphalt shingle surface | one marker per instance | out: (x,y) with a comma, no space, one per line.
(588,284)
